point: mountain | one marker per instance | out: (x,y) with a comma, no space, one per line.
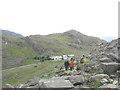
(13,34)
(18,51)
(15,51)
(105,49)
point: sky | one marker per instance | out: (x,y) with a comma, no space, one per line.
(97,18)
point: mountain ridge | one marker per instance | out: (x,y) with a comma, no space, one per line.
(13,34)
(18,51)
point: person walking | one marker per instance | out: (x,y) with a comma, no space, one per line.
(83,62)
(72,64)
(66,64)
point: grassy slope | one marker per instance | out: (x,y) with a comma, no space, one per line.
(58,45)
(70,49)
(23,74)
(21,51)
(16,54)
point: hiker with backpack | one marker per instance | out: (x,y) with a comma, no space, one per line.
(72,64)
(66,64)
(83,62)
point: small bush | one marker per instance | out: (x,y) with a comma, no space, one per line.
(95,84)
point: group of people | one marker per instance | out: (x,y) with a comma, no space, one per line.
(73,63)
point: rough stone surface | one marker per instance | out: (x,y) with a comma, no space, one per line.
(105,59)
(90,64)
(109,86)
(103,81)
(32,82)
(99,77)
(56,83)
(8,86)
(77,79)
(113,57)
(109,67)
(115,82)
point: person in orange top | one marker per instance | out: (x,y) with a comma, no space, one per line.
(72,64)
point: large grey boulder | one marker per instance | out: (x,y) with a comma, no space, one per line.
(105,59)
(56,83)
(109,67)
(90,64)
(99,77)
(77,79)
(32,82)
(115,82)
(113,57)
(8,86)
(109,86)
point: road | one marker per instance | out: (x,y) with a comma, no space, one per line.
(20,66)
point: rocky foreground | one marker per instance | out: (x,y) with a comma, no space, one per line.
(101,71)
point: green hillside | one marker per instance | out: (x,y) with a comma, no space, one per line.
(15,52)
(20,51)
(22,74)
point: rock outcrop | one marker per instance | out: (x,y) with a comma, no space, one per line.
(101,71)
(111,67)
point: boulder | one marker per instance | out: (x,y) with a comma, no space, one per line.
(8,86)
(60,78)
(32,82)
(115,82)
(112,76)
(113,57)
(77,79)
(23,86)
(109,86)
(103,81)
(109,67)
(55,83)
(109,47)
(105,59)
(99,77)
(111,80)
(84,87)
(62,74)
(90,64)
(20,86)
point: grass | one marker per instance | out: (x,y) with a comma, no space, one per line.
(19,52)
(95,84)
(23,74)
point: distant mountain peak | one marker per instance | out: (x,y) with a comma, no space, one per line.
(13,34)
(72,31)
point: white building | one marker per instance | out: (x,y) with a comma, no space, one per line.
(56,57)
(64,57)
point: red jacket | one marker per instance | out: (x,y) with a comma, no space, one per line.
(72,64)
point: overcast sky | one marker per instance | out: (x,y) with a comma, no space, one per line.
(91,17)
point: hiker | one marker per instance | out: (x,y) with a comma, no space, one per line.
(71,59)
(72,64)
(83,62)
(83,56)
(66,64)
(77,62)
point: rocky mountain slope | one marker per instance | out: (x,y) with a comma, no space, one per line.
(17,51)
(100,71)
(108,49)
(70,42)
